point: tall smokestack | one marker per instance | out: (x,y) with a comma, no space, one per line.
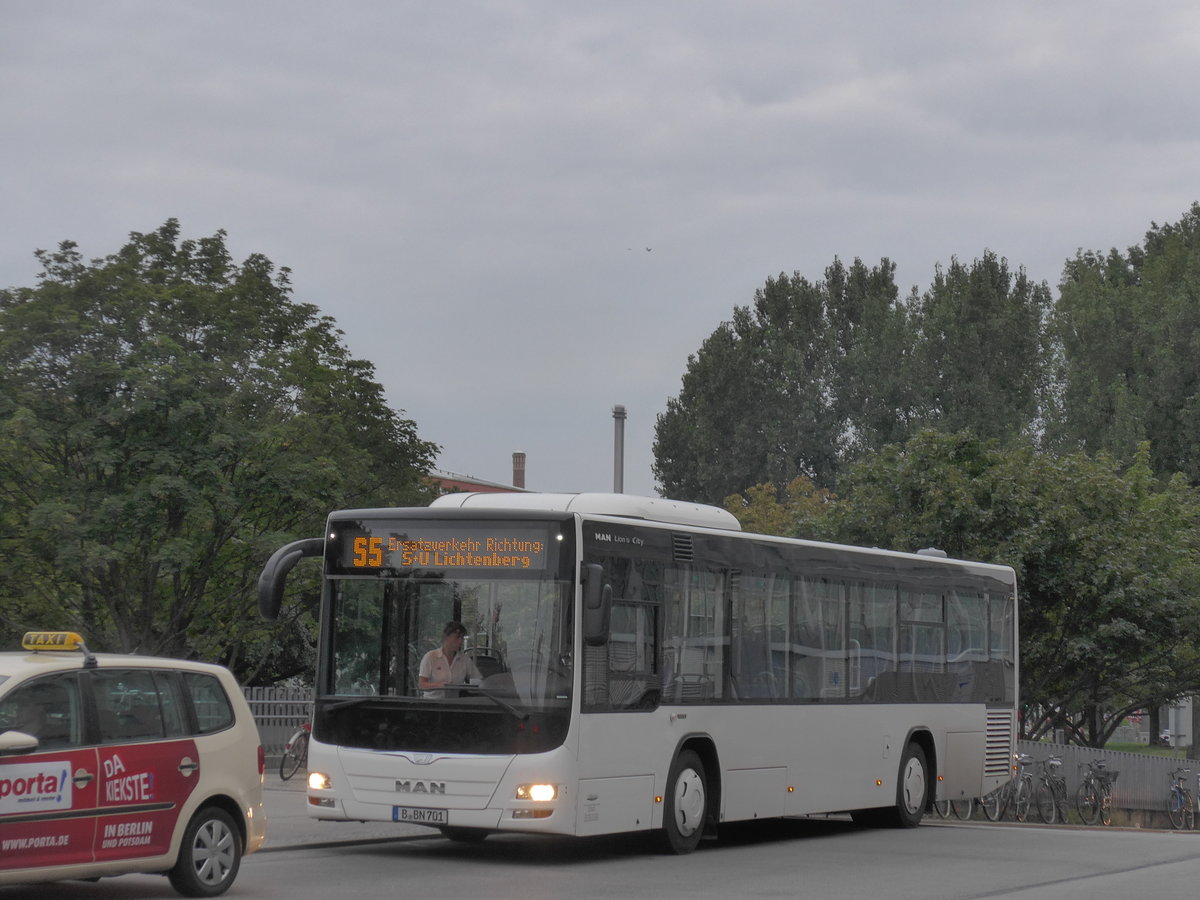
(618,449)
(519,468)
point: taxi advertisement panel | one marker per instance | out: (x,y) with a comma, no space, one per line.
(47,809)
(142,789)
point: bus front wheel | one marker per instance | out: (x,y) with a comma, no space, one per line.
(912,793)
(686,803)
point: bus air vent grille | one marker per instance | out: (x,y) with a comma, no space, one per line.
(685,550)
(998,753)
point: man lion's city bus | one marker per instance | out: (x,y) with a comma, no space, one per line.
(641,664)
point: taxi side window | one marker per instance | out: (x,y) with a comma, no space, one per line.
(47,708)
(213,710)
(137,704)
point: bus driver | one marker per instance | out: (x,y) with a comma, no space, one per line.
(447,664)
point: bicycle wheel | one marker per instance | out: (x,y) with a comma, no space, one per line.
(1044,799)
(1189,810)
(942,808)
(1175,807)
(1087,803)
(1060,800)
(293,754)
(963,808)
(1022,797)
(993,804)
(1106,803)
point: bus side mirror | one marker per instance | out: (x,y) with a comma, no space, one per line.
(274,573)
(597,605)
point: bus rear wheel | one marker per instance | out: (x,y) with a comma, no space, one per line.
(686,803)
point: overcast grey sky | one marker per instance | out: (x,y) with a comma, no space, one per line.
(524,212)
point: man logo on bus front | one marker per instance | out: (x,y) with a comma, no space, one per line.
(420,787)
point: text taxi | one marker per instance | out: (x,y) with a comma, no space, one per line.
(113,764)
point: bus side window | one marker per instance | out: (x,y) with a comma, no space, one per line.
(696,635)
(631,676)
(873,637)
(752,672)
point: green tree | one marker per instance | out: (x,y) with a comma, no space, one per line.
(690,460)
(983,348)
(799,511)
(815,374)
(791,384)
(167,419)
(1128,331)
(880,397)
(1106,560)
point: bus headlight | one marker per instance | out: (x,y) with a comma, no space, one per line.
(319,781)
(538,792)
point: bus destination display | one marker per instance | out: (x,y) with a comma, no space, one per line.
(372,546)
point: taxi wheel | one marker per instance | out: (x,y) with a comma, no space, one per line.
(209,856)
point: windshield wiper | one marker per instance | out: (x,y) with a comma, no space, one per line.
(516,711)
(353,701)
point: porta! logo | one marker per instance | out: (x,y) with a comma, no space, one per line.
(34,785)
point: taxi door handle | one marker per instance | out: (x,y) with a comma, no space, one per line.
(187,766)
(82,778)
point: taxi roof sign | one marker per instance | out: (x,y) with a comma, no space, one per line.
(62,641)
(51,640)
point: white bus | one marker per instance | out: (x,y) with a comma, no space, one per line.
(643,665)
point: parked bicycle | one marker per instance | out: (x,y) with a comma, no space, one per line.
(1180,806)
(1094,798)
(1016,793)
(1050,795)
(295,752)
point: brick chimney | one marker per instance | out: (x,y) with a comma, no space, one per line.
(519,469)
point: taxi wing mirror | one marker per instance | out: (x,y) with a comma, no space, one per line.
(14,742)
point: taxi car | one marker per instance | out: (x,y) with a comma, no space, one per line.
(111,764)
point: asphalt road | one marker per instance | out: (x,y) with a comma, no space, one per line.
(822,859)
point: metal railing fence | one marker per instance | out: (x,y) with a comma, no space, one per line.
(1143,781)
(278,712)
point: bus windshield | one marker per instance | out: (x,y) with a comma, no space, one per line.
(516,645)
(393,586)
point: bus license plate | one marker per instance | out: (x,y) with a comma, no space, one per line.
(419,815)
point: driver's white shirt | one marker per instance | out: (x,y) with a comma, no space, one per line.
(437,668)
